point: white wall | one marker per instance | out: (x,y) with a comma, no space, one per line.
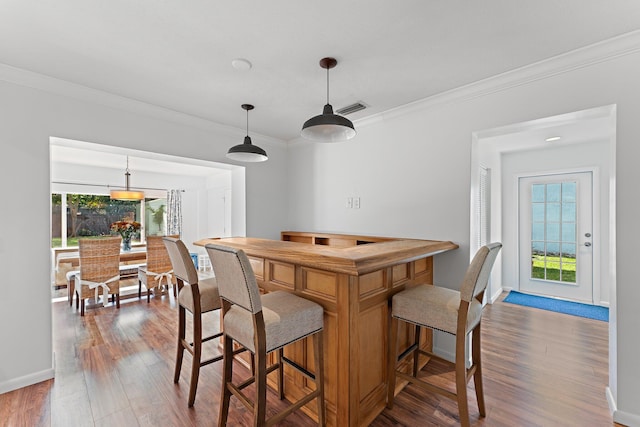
(411,170)
(29,118)
(553,159)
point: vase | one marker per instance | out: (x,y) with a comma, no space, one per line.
(126,244)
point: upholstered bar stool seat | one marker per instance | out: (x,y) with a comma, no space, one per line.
(209,296)
(287,318)
(435,307)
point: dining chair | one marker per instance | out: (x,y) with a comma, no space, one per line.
(197,297)
(157,269)
(98,270)
(457,313)
(263,324)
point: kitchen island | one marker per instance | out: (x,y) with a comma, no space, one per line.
(353,278)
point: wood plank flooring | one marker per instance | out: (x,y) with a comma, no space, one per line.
(115,368)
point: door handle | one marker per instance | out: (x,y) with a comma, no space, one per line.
(587,244)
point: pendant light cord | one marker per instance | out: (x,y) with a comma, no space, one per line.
(247,122)
(327,85)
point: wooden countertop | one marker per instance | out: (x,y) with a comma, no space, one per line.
(355,260)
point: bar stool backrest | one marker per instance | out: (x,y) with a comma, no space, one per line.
(477,276)
(181,261)
(236,280)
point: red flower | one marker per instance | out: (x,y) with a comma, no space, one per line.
(126,229)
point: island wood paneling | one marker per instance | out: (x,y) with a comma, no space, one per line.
(353,278)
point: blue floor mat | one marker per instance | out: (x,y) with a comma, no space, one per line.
(559,306)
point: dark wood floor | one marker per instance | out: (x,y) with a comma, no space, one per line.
(114,368)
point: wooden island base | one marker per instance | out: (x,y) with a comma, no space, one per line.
(353,278)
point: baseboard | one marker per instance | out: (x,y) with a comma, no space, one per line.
(621,417)
(626,419)
(27,380)
(446,355)
(493,298)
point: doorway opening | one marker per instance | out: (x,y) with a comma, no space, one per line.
(586,143)
(212,199)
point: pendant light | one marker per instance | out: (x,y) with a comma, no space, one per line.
(247,152)
(328,127)
(127,193)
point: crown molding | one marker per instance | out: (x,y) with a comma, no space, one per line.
(33,80)
(606,50)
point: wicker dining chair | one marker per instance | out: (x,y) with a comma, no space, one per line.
(99,270)
(158,268)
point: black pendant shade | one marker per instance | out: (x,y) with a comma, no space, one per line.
(247,152)
(328,127)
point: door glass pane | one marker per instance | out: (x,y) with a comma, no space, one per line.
(537,231)
(553,212)
(553,232)
(553,192)
(568,191)
(537,193)
(568,212)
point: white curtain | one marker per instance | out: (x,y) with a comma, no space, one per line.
(174,212)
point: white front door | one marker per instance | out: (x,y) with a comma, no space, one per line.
(555,235)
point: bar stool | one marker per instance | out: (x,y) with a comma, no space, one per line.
(197,297)
(455,312)
(263,324)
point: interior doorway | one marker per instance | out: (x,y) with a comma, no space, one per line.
(578,141)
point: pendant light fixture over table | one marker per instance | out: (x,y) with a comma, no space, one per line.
(328,127)
(127,193)
(247,152)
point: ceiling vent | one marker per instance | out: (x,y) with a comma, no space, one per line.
(351,108)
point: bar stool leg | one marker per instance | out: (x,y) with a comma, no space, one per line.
(180,347)
(416,351)
(461,380)
(280,374)
(477,376)
(259,408)
(227,373)
(392,357)
(318,360)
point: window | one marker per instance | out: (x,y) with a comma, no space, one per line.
(87,215)
(155,211)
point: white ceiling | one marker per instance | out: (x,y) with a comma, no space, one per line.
(177,54)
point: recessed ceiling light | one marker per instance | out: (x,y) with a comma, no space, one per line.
(552,138)
(241,64)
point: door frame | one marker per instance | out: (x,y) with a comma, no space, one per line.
(595,219)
